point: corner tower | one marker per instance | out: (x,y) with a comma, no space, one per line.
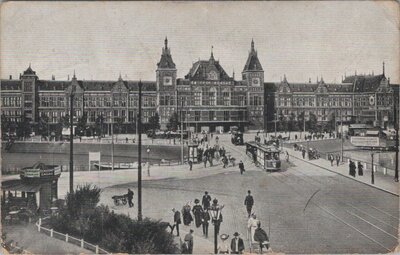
(253,72)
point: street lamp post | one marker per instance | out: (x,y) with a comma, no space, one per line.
(181,130)
(372,169)
(341,135)
(148,162)
(396,124)
(215,211)
(140,153)
(71,139)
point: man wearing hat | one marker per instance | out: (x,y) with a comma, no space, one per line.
(237,244)
(249,202)
(189,240)
(177,221)
(223,247)
(206,200)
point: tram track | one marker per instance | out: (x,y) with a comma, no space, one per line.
(338,218)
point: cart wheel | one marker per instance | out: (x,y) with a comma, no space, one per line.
(124,201)
(116,202)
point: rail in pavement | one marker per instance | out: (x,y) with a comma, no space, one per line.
(382,182)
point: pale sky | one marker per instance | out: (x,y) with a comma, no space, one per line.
(101,39)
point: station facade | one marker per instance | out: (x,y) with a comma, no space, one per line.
(207,98)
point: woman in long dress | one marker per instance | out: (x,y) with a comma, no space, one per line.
(187,216)
(197,211)
(252,226)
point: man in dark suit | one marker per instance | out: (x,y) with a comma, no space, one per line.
(206,200)
(237,245)
(177,221)
(249,202)
(130,197)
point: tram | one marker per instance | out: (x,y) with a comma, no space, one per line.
(267,157)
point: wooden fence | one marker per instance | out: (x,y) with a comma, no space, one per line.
(70,239)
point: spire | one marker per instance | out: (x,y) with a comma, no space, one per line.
(166,42)
(284,78)
(317,79)
(74,77)
(322,79)
(120,77)
(233,74)
(383,64)
(212,54)
(252,44)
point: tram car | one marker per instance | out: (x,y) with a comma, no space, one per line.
(265,156)
(237,138)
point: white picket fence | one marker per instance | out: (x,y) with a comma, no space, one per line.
(70,239)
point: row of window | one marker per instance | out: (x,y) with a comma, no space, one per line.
(11,112)
(311,101)
(12,101)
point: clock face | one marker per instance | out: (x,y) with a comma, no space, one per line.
(255,81)
(371,100)
(212,75)
(167,81)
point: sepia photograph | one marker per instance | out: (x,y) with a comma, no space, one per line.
(200,127)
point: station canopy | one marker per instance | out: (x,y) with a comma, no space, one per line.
(19,185)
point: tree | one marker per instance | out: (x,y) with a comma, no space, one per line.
(58,129)
(173,122)
(5,124)
(312,122)
(300,121)
(43,125)
(24,128)
(331,124)
(291,122)
(98,125)
(154,122)
(119,122)
(282,122)
(65,121)
(82,124)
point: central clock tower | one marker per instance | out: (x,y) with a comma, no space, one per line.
(166,70)
(253,72)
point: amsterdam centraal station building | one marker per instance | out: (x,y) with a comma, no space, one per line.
(207,98)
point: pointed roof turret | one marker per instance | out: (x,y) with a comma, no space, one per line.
(29,71)
(252,63)
(166,58)
(212,54)
(383,68)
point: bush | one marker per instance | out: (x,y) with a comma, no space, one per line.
(117,233)
(85,198)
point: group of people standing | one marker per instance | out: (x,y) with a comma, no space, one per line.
(352,168)
(333,158)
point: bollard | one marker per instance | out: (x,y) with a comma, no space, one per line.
(374,167)
(51,232)
(384,170)
(82,243)
(348,160)
(365,165)
(66,238)
(97,249)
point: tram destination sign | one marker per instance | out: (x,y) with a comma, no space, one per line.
(365,141)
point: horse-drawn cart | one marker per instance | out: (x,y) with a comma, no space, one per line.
(121,199)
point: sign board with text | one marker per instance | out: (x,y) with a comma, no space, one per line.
(365,141)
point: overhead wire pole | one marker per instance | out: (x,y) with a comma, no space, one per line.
(341,135)
(182,130)
(139,119)
(112,131)
(396,124)
(71,139)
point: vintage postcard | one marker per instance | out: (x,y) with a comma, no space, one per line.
(200,127)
